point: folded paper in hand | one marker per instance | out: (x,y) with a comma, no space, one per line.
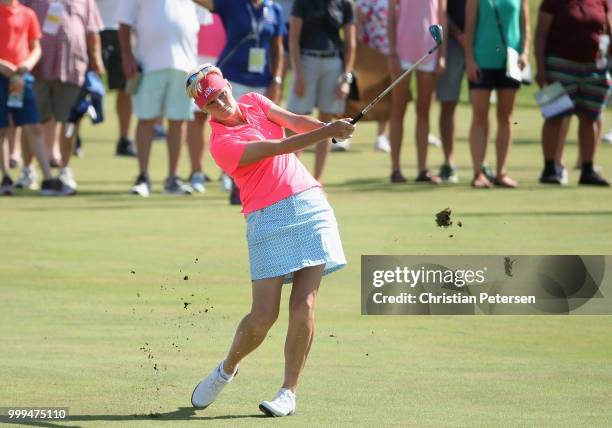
(553,100)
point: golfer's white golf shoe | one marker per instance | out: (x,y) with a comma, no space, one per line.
(282,405)
(207,390)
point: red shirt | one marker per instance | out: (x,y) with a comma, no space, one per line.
(576,27)
(18,29)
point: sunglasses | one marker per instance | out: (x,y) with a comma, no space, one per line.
(194,76)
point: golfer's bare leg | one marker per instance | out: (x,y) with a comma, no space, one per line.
(254,327)
(301,322)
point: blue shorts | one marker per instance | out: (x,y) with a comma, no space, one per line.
(26,115)
(294,233)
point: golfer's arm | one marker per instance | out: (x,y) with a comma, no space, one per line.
(208,4)
(470,24)
(350,44)
(525,27)
(259,150)
(295,122)
(391,24)
(541,35)
(295,31)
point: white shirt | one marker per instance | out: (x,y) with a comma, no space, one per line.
(166,32)
(108,12)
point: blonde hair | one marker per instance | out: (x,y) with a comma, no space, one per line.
(192,85)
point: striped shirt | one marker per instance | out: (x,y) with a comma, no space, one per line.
(64,54)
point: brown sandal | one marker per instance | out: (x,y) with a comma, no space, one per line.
(480,181)
(505,181)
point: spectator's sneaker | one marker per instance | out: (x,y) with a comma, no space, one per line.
(592,179)
(488,172)
(428,177)
(209,388)
(562,174)
(432,140)
(125,148)
(197,182)
(226,182)
(607,138)
(235,196)
(397,177)
(282,405)
(341,145)
(27,179)
(175,186)
(158,132)
(65,174)
(382,144)
(448,173)
(55,187)
(142,186)
(6,187)
(548,177)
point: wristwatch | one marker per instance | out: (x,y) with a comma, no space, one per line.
(348,78)
(278,80)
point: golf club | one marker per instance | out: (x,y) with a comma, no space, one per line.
(438,35)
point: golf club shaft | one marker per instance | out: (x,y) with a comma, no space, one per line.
(367,108)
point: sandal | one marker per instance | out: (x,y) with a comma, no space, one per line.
(427,177)
(505,181)
(481,181)
(397,177)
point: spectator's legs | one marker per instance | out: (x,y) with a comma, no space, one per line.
(123,104)
(50,130)
(144,137)
(4,163)
(14,146)
(447,130)
(426,84)
(551,133)
(400,95)
(32,137)
(505,106)
(67,143)
(383,128)
(174,139)
(564,125)
(196,141)
(321,149)
(587,138)
(479,129)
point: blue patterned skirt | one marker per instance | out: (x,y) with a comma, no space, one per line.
(294,233)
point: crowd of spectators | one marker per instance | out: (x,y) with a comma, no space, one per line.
(144,49)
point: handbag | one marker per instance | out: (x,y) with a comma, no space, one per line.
(513,71)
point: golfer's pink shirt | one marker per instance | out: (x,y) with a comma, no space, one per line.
(269,180)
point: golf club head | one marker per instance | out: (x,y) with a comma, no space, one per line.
(437,33)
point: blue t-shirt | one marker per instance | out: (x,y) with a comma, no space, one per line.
(236,16)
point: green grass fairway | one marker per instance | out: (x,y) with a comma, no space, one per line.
(93,293)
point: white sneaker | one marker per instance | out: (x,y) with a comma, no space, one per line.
(432,140)
(282,405)
(341,145)
(207,390)
(382,144)
(27,179)
(141,187)
(197,182)
(175,186)
(65,174)
(226,183)
(607,138)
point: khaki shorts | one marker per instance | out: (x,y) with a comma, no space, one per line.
(55,99)
(161,93)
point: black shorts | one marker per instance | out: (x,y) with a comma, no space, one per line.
(111,55)
(494,78)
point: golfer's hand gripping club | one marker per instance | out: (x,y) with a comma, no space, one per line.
(437,34)
(341,129)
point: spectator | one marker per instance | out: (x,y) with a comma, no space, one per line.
(252,60)
(19,53)
(287,7)
(372,50)
(165,33)
(111,55)
(449,86)
(70,45)
(572,47)
(491,27)
(211,41)
(409,39)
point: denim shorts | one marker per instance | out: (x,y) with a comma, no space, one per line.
(26,115)
(294,233)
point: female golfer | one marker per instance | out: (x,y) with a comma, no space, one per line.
(292,233)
